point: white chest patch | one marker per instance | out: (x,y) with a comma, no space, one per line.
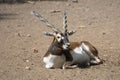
(80,56)
(54,61)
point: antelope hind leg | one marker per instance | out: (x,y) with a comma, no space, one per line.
(68,65)
(96,60)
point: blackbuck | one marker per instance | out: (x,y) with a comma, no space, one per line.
(65,54)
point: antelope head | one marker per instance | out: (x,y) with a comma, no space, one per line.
(60,37)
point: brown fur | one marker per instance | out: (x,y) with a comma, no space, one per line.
(92,49)
(54,49)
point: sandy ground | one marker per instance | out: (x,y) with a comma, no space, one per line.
(97,21)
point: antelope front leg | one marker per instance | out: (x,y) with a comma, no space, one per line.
(68,65)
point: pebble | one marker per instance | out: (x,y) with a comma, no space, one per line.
(103,33)
(35,51)
(105,55)
(18,34)
(54,11)
(31,2)
(27,61)
(68,4)
(27,68)
(75,1)
(81,26)
(28,35)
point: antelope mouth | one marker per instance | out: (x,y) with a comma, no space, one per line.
(66,46)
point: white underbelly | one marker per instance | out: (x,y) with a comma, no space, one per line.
(80,56)
(54,61)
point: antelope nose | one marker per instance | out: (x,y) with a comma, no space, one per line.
(68,44)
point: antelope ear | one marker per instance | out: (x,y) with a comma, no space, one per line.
(48,33)
(71,32)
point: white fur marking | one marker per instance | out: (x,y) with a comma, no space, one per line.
(78,50)
(85,47)
(60,37)
(54,61)
(65,47)
(98,60)
(80,56)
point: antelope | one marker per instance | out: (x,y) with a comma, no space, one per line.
(65,54)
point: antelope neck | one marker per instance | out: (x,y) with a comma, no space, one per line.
(55,48)
(56,43)
(58,50)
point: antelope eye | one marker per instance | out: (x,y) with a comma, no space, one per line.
(58,37)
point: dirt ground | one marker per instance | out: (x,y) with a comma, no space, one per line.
(21,35)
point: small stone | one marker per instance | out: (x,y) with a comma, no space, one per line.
(18,25)
(105,64)
(28,35)
(81,26)
(54,11)
(18,34)
(105,55)
(8,26)
(103,33)
(75,1)
(32,64)
(27,61)
(27,68)
(35,51)
(18,67)
(31,2)
(69,4)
